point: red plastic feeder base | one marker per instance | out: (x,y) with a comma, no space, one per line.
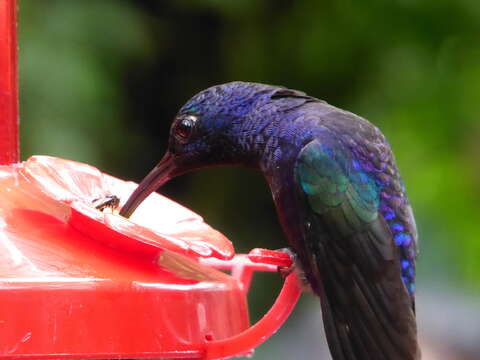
(79,283)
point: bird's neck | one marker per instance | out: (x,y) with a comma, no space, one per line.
(272,144)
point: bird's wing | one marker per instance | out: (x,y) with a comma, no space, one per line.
(352,259)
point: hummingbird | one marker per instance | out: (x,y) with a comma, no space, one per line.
(338,195)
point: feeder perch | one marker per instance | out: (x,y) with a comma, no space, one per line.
(79,283)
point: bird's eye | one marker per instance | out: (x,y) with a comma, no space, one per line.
(184,128)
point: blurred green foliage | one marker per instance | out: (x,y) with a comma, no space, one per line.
(101,80)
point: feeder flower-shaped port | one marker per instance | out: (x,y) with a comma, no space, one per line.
(158,224)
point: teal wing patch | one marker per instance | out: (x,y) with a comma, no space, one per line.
(329,178)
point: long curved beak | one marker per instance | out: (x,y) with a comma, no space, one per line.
(160,174)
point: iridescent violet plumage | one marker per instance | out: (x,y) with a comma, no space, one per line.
(339,198)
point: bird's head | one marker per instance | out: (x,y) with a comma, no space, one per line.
(210,129)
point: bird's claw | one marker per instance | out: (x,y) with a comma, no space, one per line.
(284,271)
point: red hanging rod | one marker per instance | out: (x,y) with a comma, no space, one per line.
(9,144)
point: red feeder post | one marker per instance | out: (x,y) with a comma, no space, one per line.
(9,147)
(78,283)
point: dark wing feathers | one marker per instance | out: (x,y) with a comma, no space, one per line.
(352,259)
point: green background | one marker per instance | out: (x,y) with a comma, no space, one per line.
(100,82)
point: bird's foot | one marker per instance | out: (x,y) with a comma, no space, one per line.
(284,271)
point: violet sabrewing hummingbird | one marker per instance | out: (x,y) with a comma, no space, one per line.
(338,195)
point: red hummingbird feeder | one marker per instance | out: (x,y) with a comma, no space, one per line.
(77,282)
